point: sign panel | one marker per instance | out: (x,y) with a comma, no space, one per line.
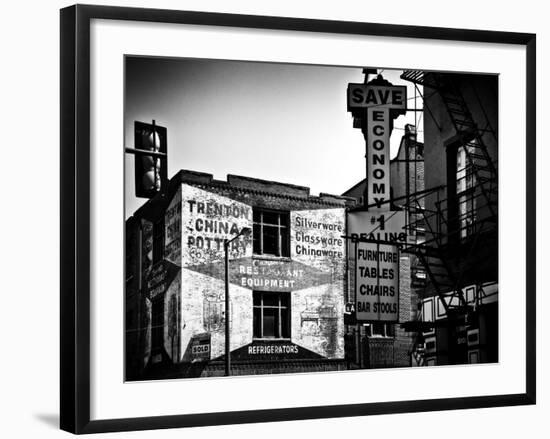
(200,347)
(350,317)
(377,264)
(365,95)
(386,226)
(377,282)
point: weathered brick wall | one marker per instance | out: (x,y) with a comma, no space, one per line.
(172,319)
(172,232)
(316,241)
(146,266)
(403,340)
(207,219)
(211,213)
(271,368)
(203,311)
(237,181)
(132,300)
(381,352)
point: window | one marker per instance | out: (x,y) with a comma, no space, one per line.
(158,241)
(271,314)
(465,191)
(157,324)
(271,233)
(380,330)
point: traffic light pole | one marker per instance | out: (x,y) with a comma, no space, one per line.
(145,152)
(227,341)
(151,159)
(246,231)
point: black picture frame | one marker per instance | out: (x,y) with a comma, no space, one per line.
(75,217)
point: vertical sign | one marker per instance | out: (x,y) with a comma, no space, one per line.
(378,157)
(382,102)
(377,232)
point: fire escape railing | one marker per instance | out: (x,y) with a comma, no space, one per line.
(443,225)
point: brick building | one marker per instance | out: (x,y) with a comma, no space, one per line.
(380,345)
(288,279)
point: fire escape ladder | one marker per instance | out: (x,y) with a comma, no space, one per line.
(483,169)
(444,226)
(433,259)
(480,163)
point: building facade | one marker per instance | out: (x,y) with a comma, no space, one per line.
(378,344)
(458,214)
(287,279)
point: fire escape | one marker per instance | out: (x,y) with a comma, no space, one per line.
(454,229)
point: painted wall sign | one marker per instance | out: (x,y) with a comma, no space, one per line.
(266,275)
(159,278)
(207,219)
(273,350)
(377,282)
(172,233)
(319,237)
(316,239)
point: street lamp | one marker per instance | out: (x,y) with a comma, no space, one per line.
(245,231)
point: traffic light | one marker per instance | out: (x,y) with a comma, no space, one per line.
(151,170)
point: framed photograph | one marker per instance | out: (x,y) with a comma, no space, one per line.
(268,219)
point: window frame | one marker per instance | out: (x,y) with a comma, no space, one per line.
(280,327)
(465,194)
(388,330)
(159,238)
(283,242)
(157,330)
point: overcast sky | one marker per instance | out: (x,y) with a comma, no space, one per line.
(282,122)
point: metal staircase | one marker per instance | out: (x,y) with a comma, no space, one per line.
(432,253)
(441,225)
(467,130)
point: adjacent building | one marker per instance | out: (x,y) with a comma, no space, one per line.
(379,344)
(458,214)
(287,279)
